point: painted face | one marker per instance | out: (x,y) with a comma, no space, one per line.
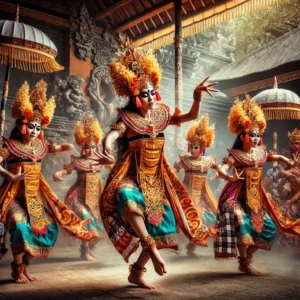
(90,149)
(148,97)
(295,146)
(254,138)
(195,150)
(33,131)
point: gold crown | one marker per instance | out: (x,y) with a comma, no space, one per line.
(132,70)
(200,133)
(294,136)
(32,106)
(87,131)
(246,116)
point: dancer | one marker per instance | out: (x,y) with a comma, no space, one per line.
(199,136)
(31,224)
(247,218)
(143,199)
(83,196)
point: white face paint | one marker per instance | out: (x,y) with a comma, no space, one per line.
(148,97)
(254,138)
(33,131)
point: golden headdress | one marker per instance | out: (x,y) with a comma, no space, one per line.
(29,106)
(200,133)
(246,116)
(132,70)
(87,131)
(294,136)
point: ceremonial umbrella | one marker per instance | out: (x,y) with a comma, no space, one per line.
(279,104)
(27,48)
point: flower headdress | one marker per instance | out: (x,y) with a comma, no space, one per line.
(294,136)
(132,70)
(246,116)
(87,131)
(200,133)
(32,106)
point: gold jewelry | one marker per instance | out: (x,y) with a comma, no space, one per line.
(51,147)
(137,270)
(148,243)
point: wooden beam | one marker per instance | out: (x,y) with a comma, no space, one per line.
(111,9)
(147,15)
(262,84)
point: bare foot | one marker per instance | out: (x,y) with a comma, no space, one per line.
(29,276)
(140,282)
(21,278)
(158,263)
(192,254)
(87,256)
(93,255)
(249,270)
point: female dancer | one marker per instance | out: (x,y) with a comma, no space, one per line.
(83,196)
(32,228)
(143,198)
(247,218)
(199,136)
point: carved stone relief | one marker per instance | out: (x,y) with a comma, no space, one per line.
(84,35)
(70,100)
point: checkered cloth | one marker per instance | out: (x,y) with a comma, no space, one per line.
(225,242)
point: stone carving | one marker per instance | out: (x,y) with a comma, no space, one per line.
(70,100)
(104,101)
(84,34)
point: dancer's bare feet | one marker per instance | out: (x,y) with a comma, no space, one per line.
(29,276)
(18,273)
(85,254)
(191,251)
(21,278)
(245,267)
(136,276)
(158,262)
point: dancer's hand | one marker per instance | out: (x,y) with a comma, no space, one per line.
(202,87)
(19,176)
(215,176)
(102,159)
(236,176)
(57,176)
(296,159)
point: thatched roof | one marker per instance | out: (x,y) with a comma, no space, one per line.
(277,53)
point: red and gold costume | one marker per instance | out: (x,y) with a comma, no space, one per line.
(142,180)
(30,222)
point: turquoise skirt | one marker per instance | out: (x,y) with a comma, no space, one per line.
(130,199)
(247,235)
(23,238)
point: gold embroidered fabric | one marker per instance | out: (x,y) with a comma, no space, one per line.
(34,202)
(256,156)
(202,164)
(51,147)
(253,188)
(151,180)
(93,193)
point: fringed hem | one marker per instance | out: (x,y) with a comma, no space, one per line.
(202,21)
(282,114)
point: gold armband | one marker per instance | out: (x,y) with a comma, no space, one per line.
(119,127)
(51,147)
(68,168)
(4,153)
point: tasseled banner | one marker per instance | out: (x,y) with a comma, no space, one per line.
(28,59)
(281,114)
